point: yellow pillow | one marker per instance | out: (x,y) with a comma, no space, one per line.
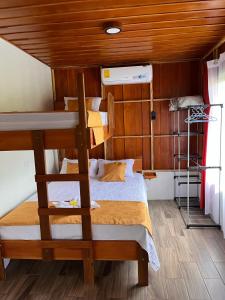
(73,168)
(73,105)
(114,172)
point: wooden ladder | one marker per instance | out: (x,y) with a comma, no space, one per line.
(82,135)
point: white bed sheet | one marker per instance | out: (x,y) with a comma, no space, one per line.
(132,190)
(42,120)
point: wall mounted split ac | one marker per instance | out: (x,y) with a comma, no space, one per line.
(126,75)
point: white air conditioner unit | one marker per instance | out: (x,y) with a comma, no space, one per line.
(126,75)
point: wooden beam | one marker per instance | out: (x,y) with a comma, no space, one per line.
(152,126)
(63,211)
(83,160)
(39,159)
(61,177)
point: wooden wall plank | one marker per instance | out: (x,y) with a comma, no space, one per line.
(164,119)
(176,79)
(163,149)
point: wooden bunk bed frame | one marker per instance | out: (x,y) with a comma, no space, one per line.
(87,249)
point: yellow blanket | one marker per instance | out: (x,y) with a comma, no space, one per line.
(94,119)
(95,122)
(110,213)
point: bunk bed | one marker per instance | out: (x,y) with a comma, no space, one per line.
(48,248)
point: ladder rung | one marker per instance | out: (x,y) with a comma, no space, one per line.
(61,177)
(54,211)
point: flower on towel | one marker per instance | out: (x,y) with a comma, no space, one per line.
(66,203)
(73,202)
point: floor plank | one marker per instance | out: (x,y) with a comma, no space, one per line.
(201,255)
(194,281)
(176,289)
(216,252)
(221,269)
(216,288)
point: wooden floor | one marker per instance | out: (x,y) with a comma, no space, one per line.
(192,267)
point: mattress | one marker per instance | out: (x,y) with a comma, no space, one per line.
(132,190)
(42,120)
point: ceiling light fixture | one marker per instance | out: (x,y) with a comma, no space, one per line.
(112,28)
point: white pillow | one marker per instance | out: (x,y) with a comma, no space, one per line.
(129,168)
(96,101)
(92,170)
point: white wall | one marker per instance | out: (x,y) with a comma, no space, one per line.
(162,187)
(25,85)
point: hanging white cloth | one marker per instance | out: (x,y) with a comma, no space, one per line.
(212,188)
(221,91)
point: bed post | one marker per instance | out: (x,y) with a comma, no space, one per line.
(2,268)
(142,267)
(39,159)
(83,160)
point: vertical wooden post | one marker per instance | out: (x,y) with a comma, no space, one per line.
(39,158)
(152,129)
(109,143)
(2,268)
(142,267)
(83,159)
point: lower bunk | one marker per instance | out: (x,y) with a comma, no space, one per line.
(121,227)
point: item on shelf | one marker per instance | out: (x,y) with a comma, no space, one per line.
(184,102)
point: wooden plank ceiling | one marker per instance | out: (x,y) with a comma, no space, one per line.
(70,32)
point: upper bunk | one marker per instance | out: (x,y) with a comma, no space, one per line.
(60,128)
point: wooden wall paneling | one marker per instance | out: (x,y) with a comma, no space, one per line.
(60,88)
(71,76)
(152,125)
(92,82)
(146,128)
(164,118)
(66,86)
(133,120)
(183,150)
(118,144)
(176,79)
(163,149)
(166,76)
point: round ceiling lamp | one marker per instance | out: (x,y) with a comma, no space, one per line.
(112,28)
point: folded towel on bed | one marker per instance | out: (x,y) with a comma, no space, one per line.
(95,122)
(73,203)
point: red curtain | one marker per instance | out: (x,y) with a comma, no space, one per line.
(205,129)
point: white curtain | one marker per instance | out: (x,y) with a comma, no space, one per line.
(221,91)
(213,202)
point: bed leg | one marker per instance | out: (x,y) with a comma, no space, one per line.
(88,265)
(142,268)
(2,268)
